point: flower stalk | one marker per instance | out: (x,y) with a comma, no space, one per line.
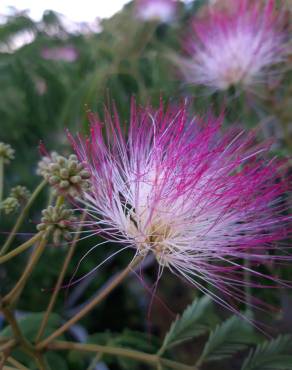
(25,345)
(60,280)
(9,344)
(150,359)
(22,217)
(100,297)
(16,364)
(13,295)
(20,249)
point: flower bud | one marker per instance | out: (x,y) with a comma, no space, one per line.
(58,222)
(6,152)
(9,205)
(21,193)
(69,176)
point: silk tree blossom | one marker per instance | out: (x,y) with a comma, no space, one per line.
(62,53)
(156,10)
(202,202)
(235,45)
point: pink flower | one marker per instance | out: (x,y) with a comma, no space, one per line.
(235,46)
(65,53)
(159,10)
(200,201)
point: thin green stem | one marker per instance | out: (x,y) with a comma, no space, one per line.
(39,360)
(23,247)
(4,340)
(3,356)
(16,364)
(60,200)
(94,361)
(100,297)
(10,344)
(10,318)
(13,295)
(150,359)
(23,342)
(22,217)
(60,280)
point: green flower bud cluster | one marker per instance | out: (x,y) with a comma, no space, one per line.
(44,163)
(9,205)
(6,152)
(18,195)
(21,193)
(68,176)
(58,222)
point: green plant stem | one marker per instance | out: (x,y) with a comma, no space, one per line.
(94,361)
(123,352)
(16,364)
(21,217)
(38,357)
(13,295)
(103,294)
(60,200)
(4,340)
(23,247)
(11,343)
(60,280)
(3,357)
(18,336)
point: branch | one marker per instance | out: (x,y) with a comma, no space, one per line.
(103,294)
(16,364)
(21,217)
(23,247)
(124,352)
(12,296)
(19,337)
(57,288)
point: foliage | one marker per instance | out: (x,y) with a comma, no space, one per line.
(40,98)
(270,355)
(196,320)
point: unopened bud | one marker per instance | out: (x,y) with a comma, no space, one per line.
(69,176)
(10,205)
(6,152)
(21,193)
(58,222)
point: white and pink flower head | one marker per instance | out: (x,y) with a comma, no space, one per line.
(235,45)
(202,202)
(156,10)
(61,53)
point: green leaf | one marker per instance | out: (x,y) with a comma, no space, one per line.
(56,361)
(30,324)
(228,338)
(136,340)
(100,338)
(196,320)
(127,339)
(271,355)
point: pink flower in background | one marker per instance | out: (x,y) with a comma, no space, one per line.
(64,53)
(235,45)
(199,200)
(159,10)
